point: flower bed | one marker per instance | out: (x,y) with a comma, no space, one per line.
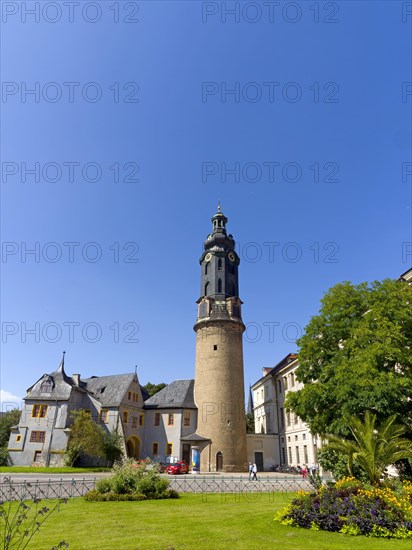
(353,508)
(132,480)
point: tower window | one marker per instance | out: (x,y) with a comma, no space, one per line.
(215,347)
(219,263)
(219,285)
(206,267)
(206,288)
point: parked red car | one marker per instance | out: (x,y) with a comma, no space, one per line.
(177,468)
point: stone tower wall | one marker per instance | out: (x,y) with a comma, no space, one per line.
(219,394)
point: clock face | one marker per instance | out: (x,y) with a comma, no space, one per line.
(208,257)
(231,256)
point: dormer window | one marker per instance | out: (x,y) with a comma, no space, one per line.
(46,386)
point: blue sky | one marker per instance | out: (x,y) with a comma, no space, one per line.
(309,156)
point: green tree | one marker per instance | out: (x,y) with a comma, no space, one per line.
(86,437)
(372,447)
(7,420)
(154,388)
(250,423)
(112,446)
(356,355)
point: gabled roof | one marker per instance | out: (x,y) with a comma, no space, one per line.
(177,395)
(279,366)
(61,386)
(109,390)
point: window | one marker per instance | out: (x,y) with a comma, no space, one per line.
(39,411)
(296,419)
(18,438)
(297,455)
(37,437)
(288,438)
(206,267)
(129,396)
(219,264)
(303,436)
(215,347)
(280,386)
(283,455)
(155,448)
(46,386)
(169,449)
(292,379)
(206,288)
(305,454)
(134,421)
(285,382)
(296,437)
(282,417)
(290,454)
(157,419)
(104,415)
(171,420)
(135,397)
(219,285)
(186,419)
(141,419)
(288,418)
(37,457)
(125,417)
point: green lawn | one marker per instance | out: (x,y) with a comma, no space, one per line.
(35,470)
(193,522)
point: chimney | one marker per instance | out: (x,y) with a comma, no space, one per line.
(266,370)
(76,379)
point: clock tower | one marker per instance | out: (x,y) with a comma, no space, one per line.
(219,383)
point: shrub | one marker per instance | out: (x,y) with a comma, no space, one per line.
(95,496)
(353,508)
(104,485)
(132,481)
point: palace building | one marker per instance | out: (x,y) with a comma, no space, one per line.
(201,421)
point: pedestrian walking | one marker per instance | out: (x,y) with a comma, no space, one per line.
(254,473)
(250,471)
(304,471)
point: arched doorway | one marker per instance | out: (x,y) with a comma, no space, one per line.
(133,447)
(219,462)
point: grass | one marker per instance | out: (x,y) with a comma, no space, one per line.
(43,470)
(212,522)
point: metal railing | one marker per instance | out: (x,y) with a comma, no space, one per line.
(10,490)
(237,484)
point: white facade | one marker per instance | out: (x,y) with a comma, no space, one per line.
(295,445)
